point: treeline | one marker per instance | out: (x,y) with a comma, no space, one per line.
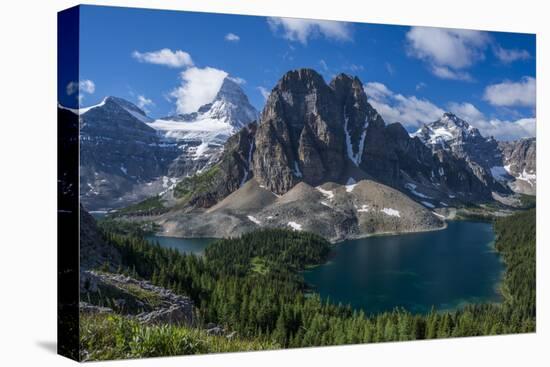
(252,285)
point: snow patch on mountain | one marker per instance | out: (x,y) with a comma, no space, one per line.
(525,176)
(212,124)
(254,220)
(354,157)
(391,212)
(412,188)
(327,193)
(295,226)
(350,184)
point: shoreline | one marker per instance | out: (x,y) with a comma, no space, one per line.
(332,241)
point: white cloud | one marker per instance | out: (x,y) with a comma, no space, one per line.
(232,37)
(466,111)
(510,55)
(82,86)
(144,102)
(377,91)
(508,93)
(166,57)
(507,130)
(420,85)
(444,72)
(300,30)
(393,107)
(199,87)
(264,92)
(447,50)
(324,65)
(412,112)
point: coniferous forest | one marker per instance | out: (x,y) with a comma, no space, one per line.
(252,285)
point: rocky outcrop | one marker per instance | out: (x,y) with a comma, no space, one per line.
(520,161)
(146,302)
(300,135)
(228,175)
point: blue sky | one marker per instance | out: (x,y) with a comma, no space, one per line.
(168,61)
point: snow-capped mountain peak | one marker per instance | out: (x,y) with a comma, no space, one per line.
(131,108)
(110,102)
(201,134)
(446,130)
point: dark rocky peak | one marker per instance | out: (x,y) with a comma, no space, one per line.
(301,80)
(300,135)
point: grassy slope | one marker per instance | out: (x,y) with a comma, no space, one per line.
(105,337)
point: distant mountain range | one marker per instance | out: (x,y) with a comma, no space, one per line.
(315,148)
(510,165)
(127,156)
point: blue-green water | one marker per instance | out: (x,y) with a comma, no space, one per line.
(442,269)
(186,245)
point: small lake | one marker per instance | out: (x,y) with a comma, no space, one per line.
(445,269)
(185,245)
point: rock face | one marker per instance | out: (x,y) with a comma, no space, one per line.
(313,132)
(231,171)
(339,212)
(200,135)
(118,153)
(146,302)
(498,165)
(94,252)
(520,161)
(300,135)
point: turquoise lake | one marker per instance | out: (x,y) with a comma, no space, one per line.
(442,269)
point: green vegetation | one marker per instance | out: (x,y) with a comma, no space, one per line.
(126,228)
(516,240)
(253,285)
(198,183)
(528,201)
(150,206)
(116,337)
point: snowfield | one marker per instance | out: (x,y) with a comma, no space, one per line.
(412,188)
(327,193)
(295,226)
(391,212)
(254,220)
(363,209)
(429,205)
